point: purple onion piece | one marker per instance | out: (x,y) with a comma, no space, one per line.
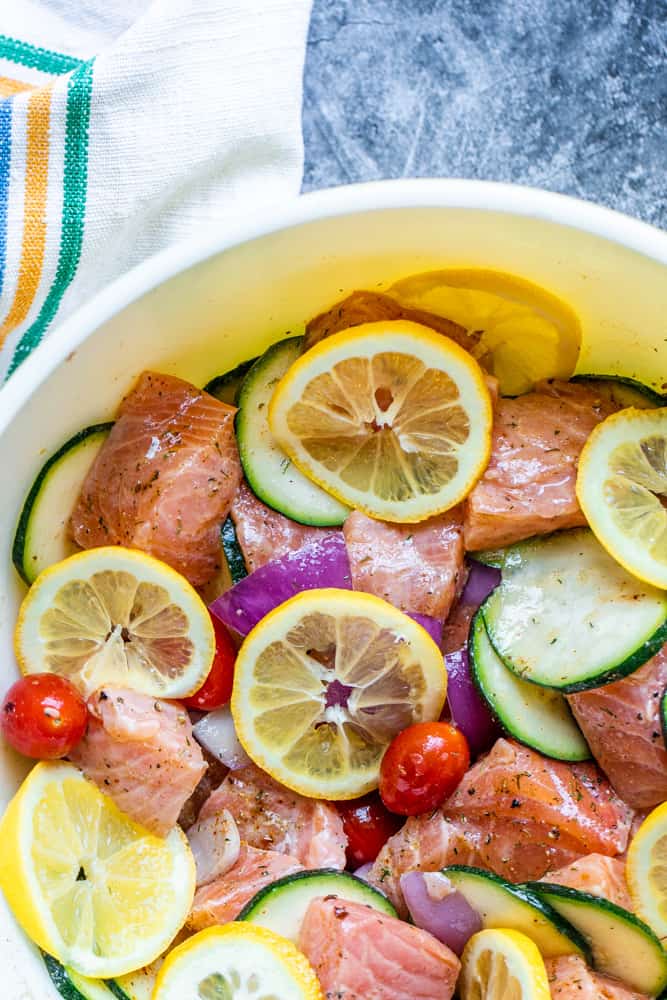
(432,625)
(438,908)
(364,871)
(322,563)
(468,709)
(482,580)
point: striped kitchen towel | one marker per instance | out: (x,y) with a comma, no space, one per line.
(127,126)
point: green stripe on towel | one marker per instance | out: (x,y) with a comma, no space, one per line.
(36,58)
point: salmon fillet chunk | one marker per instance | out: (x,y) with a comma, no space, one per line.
(263,534)
(516,813)
(164,479)
(416,567)
(571,979)
(597,875)
(271,817)
(140,751)
(621,723)
(359,953)
(222,900)
(528,487)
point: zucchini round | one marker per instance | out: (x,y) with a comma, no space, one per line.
(232,551)
(502,904)
(41,537)
(623,391)
(226,387)
(622,945)
(269,472)
(282,905)
(73,986)
(568,616)
(537,716)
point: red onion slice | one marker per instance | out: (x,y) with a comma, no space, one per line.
(438,908)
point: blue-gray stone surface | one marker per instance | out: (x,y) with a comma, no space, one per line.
(568,95)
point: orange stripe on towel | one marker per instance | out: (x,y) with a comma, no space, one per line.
(34,212)
(9,87)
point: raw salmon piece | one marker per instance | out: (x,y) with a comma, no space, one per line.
(424,843)
(361,954)
(164,479)
(516,813)
(621,723)
(597,875)
(517,791)
(571,979)
(223,899)
(529,484)
(264,534)
(141,752)
(416,567)
(371,307)
(272,817)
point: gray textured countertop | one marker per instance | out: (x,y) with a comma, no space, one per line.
(569,96)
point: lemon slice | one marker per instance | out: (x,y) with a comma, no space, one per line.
(237,961)
(646,871)
(324,683)
(499,964)
(87,884)
(621,487)
(116,616)
(523,332)
(390,418)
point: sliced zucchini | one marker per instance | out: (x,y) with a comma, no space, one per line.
(623,391)
(232,550)
(269,472)
(73,986)
(622,945)
(282,905)
(226,387)
(568,616)
(537,716)
(502,904)
(41,537)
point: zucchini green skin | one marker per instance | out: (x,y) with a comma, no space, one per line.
(232,550)
(606,674)
(528,905)
(549,728)
(61,979)
(648,397)
(271,475)
(612,953)
(19,546)
(290,896)
(227,387)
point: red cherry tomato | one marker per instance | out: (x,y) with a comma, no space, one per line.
(217,688)
(43,716)
(368,826)
(422,766)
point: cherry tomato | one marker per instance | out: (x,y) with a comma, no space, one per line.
(217,688)
(368,826)
(43,716)
(422,766)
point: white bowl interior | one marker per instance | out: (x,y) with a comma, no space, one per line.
(229,307)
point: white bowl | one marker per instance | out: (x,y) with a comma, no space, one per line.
(199,309)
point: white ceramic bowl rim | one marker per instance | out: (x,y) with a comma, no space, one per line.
(331,202)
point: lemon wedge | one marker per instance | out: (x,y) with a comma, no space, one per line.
(646,871)
(116,616)
(498,964)
(87,884)
(622,490)
(237,960)
(390,418)
(523,332)
(324,683)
